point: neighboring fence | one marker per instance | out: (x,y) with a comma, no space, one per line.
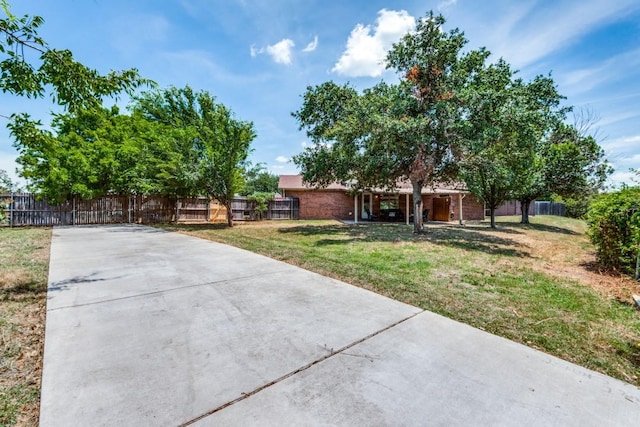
(285,208)
(26,210)
(511,207)
(551,208)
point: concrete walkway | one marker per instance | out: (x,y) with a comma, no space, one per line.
(146,327)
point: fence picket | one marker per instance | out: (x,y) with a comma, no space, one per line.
(26,210)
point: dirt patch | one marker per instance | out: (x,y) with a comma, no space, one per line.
(566,253)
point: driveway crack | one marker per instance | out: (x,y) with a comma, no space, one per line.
(161,291)
(330,354)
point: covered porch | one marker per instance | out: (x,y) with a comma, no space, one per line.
(438,205)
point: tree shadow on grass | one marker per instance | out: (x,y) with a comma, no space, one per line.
(21,291)
(461,238)
(538,227)
(192,227)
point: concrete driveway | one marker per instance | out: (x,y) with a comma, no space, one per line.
(146,327)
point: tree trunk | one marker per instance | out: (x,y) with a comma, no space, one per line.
(493,216)
(229,214)
(418,224)
(524,207)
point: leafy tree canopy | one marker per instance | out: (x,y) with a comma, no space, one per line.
(506,119)
(257,179)
(405,131)
(89,153)
(208,145)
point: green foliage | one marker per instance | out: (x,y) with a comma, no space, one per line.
(404,131)
(614,227)
(175,143)
(6,186)
(506,119)
(207,145)
(261,199)
(258,180)
(88,154)
(70,83)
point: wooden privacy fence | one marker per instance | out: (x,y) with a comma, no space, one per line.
(26,210)
(284,208)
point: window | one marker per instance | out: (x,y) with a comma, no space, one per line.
(389,202)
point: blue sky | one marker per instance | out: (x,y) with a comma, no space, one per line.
(258,56)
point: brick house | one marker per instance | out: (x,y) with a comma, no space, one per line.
(336,201)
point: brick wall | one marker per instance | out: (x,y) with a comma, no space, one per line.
(472,208)
(327,204)
(324,204)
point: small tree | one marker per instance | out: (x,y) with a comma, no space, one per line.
(614,227)
(261,200)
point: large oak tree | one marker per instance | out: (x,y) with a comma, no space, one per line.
(406,131)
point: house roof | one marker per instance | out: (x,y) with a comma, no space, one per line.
(294,182)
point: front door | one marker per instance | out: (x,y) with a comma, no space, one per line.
(441,208)
(366,206)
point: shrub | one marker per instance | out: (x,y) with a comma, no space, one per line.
(614,227)
(261,199)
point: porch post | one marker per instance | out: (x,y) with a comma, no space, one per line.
(355,208)
(460,197)
(407,208)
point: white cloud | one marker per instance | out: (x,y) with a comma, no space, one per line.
(622,144)
(304,144)
(254,51)
(525,35)
(282,159)
(367,47)
(615,68)
(312,45)
(281,51)
(446,4)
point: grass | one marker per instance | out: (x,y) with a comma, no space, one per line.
(530,283)
(24,263)
(534,284)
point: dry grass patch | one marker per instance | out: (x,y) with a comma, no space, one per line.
(24,263)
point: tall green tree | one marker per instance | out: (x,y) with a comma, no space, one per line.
(567,164)
(209,145)
(405,131)
(88,153)
(506,120)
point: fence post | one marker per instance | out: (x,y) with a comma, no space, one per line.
(73,211)
(11,210)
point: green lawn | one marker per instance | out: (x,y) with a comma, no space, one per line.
(531,284)
(24,265)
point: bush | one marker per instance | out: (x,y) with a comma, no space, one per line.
(614,227)
(261,199)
